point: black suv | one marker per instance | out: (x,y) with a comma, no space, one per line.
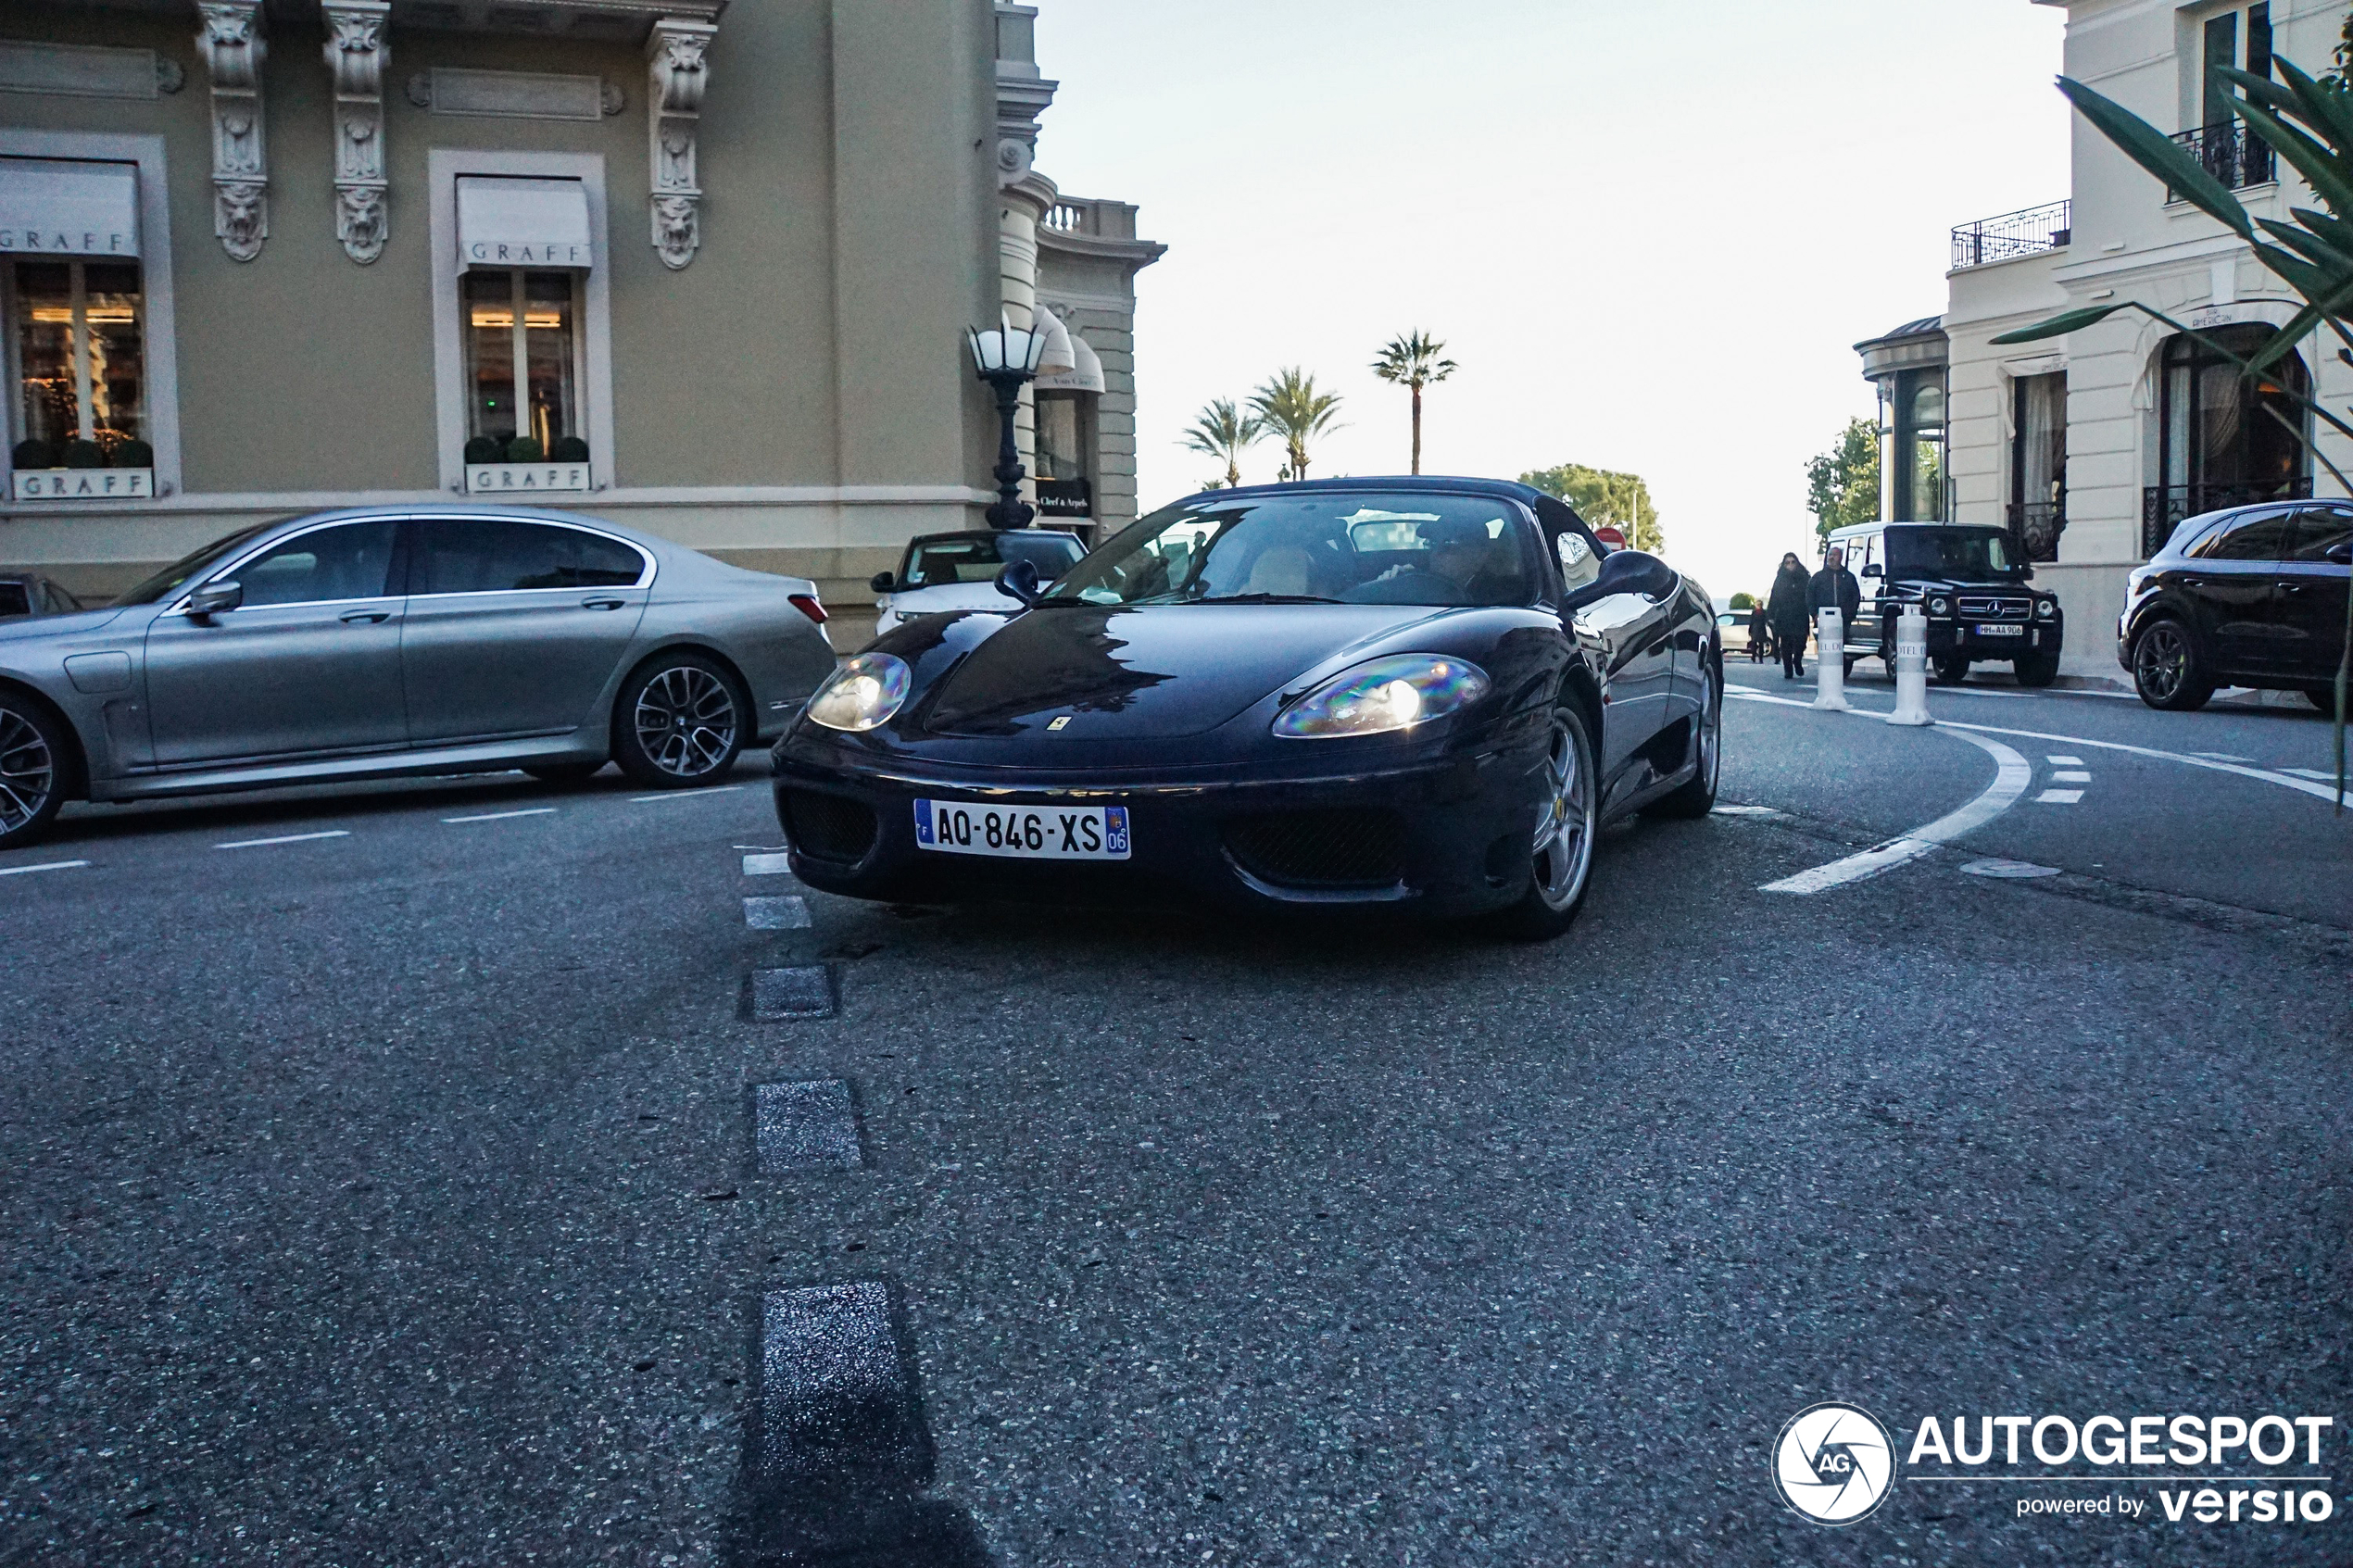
(1970,581)
(2251,596)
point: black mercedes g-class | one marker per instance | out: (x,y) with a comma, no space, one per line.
(1972,585)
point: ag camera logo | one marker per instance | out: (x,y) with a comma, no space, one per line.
(1833,1463)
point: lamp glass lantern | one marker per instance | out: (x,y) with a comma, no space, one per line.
(1006,357)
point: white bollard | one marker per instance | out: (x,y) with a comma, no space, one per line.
(1829,653)
(1911,668)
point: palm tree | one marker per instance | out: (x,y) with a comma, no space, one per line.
(1413,361)
(1224,431)
(1293,409)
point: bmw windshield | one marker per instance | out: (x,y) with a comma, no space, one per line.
(1326,547)
(170,578)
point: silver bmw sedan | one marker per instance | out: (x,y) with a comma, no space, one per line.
(363,643)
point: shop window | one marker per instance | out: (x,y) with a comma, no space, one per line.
(79,344)
(2038,464)
(1911,418)
(1065,452)
(523,367)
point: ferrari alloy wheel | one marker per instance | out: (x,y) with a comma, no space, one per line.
(2165,669)
(1569,817)
(1696,796)
(31,755)
(679,723)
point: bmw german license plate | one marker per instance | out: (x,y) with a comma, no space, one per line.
(1023,832)
(1990,630)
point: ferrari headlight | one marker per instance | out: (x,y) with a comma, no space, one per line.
(2047,609)
(863,694)
(1940,607)
(1396,693)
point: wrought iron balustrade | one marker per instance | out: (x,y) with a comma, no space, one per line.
(2165,508)
(2230,152)
(2036,527)
(2025,233)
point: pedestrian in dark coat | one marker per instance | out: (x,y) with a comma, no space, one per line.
(1787,610)
(1761,633)
(1834,585)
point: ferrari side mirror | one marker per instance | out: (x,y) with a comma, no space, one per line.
(1019,581)
(1627,572)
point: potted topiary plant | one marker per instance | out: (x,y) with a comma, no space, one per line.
(485,449)
(84,455)
(524,449)
(133,453)
(31,454)
(568,449)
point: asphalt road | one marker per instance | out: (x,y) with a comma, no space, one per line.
(401,1197)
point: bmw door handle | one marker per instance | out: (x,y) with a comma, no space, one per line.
(602,603)
(366,617)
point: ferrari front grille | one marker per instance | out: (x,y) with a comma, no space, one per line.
(1340,848)
(827,826)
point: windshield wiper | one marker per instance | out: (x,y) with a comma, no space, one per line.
(1264,599)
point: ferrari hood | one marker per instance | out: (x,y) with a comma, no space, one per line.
(1144,673)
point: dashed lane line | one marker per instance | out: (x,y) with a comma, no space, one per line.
(502,816)
(2064,761)
(683,794)
(768,865)
(788,913)
(2070,775)
(286,838)
(44,866)
(2059,797)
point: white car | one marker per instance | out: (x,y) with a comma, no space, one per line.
(943,572)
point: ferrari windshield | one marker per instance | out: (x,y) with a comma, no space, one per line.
(1316,547)
(188,566)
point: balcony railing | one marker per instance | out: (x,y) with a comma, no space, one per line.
(2230,152)
(2027,233)
(2165,508)
(2036,527)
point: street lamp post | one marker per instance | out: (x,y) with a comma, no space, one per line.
(1006,357)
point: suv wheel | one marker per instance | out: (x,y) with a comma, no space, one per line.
(33,765)
(680,722)
(1951,670)
(2167,669)
(2036,668)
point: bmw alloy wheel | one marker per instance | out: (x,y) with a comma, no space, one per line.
(1565,834)
(687,721)
(28,772)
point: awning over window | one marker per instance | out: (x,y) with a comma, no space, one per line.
(57,207)
(1085,371)
(522,223)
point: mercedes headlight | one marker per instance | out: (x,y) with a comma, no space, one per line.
(1396,693)
(863,694)
(1940,607)
(2047,609)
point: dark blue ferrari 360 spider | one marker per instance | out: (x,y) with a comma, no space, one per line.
(1427,694)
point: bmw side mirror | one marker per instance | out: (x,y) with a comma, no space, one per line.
(1627,572)
(214,598)
(881,582)
(1019,581)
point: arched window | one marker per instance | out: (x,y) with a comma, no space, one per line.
(1912,446)
(2222,440)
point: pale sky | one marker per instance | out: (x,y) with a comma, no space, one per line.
(1650,231)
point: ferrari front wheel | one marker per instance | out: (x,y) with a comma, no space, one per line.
(1569,819)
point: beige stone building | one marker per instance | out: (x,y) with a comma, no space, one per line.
(2093,446)
(702,267)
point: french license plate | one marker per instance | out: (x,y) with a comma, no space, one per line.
(1023,832)
(1985,631)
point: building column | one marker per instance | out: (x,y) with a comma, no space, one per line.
(357,54)
(678,72)
(232,49)
(1023,203)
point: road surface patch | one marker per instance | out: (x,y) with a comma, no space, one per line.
(806,991)
(788,913)
(2009,870)
(837,1402)
(44,866)
(286,838)
(810,1126)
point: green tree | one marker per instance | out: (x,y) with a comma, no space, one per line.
(1841,484)
(1293,409)
(2308,125)
(1224,431)
(1744,601)
(1604,499)
(1414,361)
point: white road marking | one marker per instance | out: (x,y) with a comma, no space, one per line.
(289,838)
(768,865)
(2326,778)
(2070,775)
(2009,870)
(2012,774)
(2059,797)
(2064,761)
(2224,757)
(2188,758)
(503,816)
(790,913)
(44,866)
(683,793)
(1744,812)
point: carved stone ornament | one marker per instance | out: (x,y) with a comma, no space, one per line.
(233,48)
(677,76)
(169,75)
(357,58)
